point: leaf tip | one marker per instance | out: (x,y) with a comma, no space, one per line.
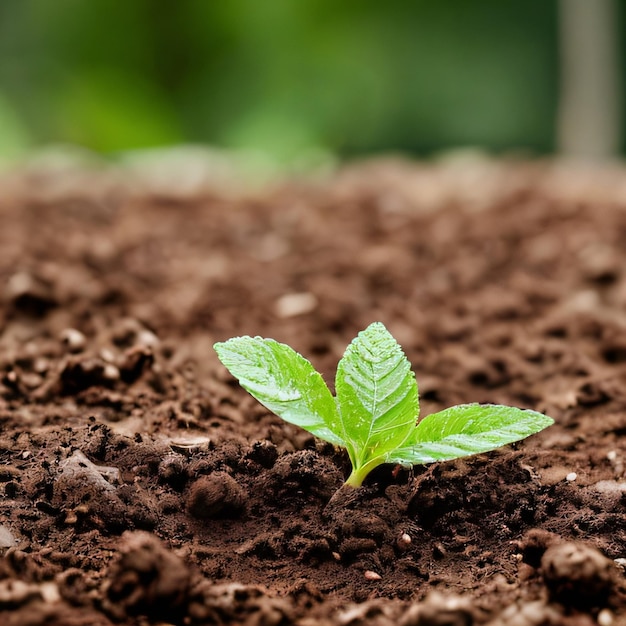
(545,420)
(375,327)
(220,347)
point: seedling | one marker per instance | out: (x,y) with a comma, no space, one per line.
(374,414)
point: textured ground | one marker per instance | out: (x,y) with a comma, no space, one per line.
(142,485)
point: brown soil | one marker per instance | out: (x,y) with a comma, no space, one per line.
(142,485)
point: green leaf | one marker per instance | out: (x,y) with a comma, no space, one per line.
(283,381)
(377,398)
(467,429)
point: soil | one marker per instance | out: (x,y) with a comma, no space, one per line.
(142,485)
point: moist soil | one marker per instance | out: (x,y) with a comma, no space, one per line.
(140,484)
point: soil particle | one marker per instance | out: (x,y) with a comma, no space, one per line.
(534,544)
(440,610)
(23,604)
(359,532)
(371,612)
(86,497)
(356,545)
(73,339)
(536,613)
(215,495)
(577,574)
(15,593)
(147,579)
(235,603)
(129,332)
(30,294)
(7,539)
(305,470)
(173,471)
(134,362)
(264,453)
(82,373)
(75,586)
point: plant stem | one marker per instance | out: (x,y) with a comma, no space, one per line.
(358,475)
(356,478)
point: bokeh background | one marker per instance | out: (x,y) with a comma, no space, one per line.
(348,77)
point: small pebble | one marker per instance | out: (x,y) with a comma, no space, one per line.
(147,338)
(605,618)
(571,477)
(293,304)
(31,380)
(7,539)
(110,372)
(370,575)
(621,562)
(107,355)
(50,592)
(73,339)
(41,365)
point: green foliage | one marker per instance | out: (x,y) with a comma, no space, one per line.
(376,407)
(282,76)
(284,382)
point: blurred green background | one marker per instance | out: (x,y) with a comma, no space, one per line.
(350,77)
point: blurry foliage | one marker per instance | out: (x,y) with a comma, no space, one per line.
(280,75)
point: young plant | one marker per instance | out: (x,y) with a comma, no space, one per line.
(374,414)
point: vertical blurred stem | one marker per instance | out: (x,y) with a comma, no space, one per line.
(590,106)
